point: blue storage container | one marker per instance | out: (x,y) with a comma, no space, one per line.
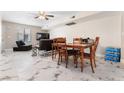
(112,54)
(117,50)
(116,55)
(108,59)
(109,49)
(116,60)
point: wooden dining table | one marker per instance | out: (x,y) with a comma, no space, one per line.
(81,47)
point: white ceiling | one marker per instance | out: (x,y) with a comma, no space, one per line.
(27,17)
(60,17)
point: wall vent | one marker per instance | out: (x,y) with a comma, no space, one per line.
(71,23)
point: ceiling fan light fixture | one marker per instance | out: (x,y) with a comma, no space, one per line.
(41,12)
(41,17)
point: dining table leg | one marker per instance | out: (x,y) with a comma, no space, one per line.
(52,52)
(82,58)
(92,58)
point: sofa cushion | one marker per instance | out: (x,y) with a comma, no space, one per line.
(20,43)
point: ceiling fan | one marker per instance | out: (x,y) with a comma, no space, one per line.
(43,15)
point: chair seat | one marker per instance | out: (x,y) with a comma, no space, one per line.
(86,54)
(72,52)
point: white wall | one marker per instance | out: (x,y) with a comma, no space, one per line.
(108,28)
(10,33)
(0,36)
(122,37)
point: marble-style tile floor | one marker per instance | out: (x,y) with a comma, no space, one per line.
(21,66)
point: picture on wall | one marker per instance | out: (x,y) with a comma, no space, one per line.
(27,35)
(21,35)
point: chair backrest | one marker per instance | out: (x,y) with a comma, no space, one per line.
(61,45)
(57,41)
(45,44)
(96,43)
(20,43)
(61,40)
(77,40)
(54,40)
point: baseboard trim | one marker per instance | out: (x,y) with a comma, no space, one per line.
(100,55)
(7,50)
(122,60)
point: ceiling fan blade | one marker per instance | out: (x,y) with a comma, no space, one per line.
(36,17)
(46,18)
(50,15)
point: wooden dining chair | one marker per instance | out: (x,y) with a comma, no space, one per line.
(76,40)
(95,48)
(64,52)
(54,49)
(61,48)
(54,45)
(73,52)
(92,54)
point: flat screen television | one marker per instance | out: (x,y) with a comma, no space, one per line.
(42,36)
